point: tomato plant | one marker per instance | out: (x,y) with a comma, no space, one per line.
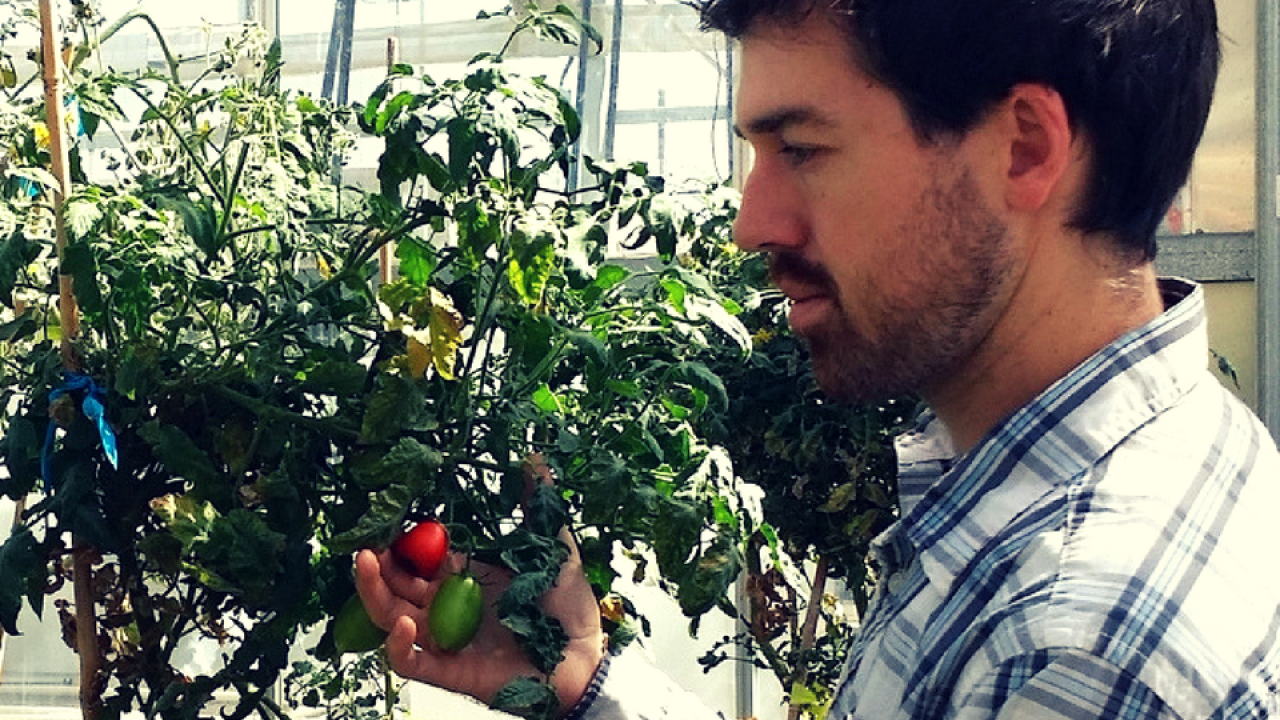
(422,548)
(456,611)
(277,405)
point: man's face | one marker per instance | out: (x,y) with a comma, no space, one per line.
(896,267)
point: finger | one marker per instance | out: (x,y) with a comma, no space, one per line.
(383,603)
(538,472)
(402,655)
(401,581)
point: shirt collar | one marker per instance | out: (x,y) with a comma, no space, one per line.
(952,506)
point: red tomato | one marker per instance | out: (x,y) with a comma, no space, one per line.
(423,548)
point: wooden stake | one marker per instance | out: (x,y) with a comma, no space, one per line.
(84,555)
(384,252)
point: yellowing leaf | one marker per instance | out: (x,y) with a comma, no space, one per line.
(429,320)
(446,337)
(419,358)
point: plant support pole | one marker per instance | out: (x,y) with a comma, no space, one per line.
(69,314)
(1268,225)
(384,252)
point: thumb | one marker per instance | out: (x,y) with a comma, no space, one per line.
(536,472)
(401,654)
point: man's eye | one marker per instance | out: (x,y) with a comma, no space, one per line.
(798,154)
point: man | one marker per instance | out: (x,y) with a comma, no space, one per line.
(960,198)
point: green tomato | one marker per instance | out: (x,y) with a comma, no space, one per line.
(354,631)
(456,611)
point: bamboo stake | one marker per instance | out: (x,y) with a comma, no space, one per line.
(384,252)
(83,554)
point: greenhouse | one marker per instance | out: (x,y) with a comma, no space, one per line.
(320,314)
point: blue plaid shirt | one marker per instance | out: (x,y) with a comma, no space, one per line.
(1107,552)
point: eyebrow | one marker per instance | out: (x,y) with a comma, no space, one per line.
(778,120)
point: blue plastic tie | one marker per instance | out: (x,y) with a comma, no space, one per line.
(92,407)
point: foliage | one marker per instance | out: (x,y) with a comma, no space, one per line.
(276,405)
(827,472)
(347,687)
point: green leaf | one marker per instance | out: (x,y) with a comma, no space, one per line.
(198,218)
(179,454)
(714,573)
(462,149)
(188,519)
(771,538)
(392,110)
(681,531)
(394,405)
(542,637)
(17,252)
(625,388)
(79,262)
(368,117)
(661,221)
(532,262)
(676,293)
(547,512)
(81,214)
(589,345)
(377,525)
(546,400)
(417,260)
(343,378)
(19,328)
(22,569)
(701,377)
(242,551)
(408,463)
(527,697)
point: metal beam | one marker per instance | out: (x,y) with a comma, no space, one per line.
(1268,233)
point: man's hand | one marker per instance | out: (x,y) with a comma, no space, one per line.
(397,601)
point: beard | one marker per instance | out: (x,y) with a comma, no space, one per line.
(924,314)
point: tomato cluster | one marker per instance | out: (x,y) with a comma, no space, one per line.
(457,609)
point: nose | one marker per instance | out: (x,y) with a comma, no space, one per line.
(769,219)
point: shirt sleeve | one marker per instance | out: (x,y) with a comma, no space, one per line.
(1061,685)
(630,688)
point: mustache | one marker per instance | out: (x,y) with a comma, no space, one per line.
(797,269)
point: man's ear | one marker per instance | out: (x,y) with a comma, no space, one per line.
(1040,145)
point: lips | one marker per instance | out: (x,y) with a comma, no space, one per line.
(807,286)
(807,313)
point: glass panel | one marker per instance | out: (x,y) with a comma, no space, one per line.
(1220,196)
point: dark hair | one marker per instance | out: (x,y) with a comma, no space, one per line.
(1137,77)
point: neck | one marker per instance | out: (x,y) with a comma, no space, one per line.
(1056,320)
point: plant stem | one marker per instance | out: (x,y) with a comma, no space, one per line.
(264,410)
(83,51)
(801,674)
(196,160)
